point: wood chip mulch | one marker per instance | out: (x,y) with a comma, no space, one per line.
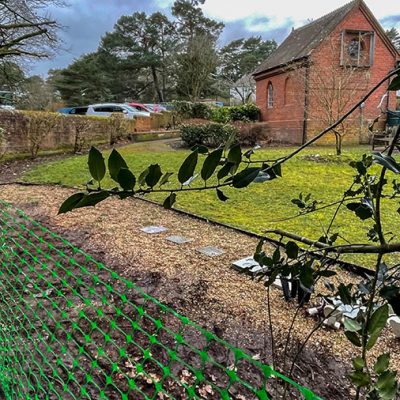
(205,289)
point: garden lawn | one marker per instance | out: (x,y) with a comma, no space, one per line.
(260,206)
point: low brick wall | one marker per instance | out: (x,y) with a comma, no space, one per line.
(292,132)
(16,138)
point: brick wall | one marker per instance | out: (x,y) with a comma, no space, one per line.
(16,138)
(286,118)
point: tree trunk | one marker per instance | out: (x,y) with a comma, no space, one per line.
(339,142)
(156,83)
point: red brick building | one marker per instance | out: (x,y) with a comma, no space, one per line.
(321,70)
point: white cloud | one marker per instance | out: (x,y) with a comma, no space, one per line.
(282,12)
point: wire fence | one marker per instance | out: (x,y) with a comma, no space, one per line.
(70,328)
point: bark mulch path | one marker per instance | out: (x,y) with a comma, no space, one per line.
(207,290)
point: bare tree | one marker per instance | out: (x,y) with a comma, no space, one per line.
(26,30)
(332,88)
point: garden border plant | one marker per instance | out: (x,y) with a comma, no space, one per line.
(231,167)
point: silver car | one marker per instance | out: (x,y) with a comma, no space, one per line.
(106,109)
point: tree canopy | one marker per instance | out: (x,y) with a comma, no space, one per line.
(24,31)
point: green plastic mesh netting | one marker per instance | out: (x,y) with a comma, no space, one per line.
(70,328)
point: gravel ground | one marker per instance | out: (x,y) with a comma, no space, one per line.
(205,289)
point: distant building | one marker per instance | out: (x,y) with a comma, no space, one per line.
(243,91)
(338,56)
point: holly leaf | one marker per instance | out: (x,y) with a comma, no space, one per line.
(221,195)
(154,175)
(395,84)
(115,163)
(245,177)
(211,163)
(186,171)
(169,201)
(70,203)
(126,179)
(97,166)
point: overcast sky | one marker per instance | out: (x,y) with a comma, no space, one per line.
(85,21)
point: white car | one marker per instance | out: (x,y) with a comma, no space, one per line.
(106,109)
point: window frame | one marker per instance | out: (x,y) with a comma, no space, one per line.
(270,95)
(346,60)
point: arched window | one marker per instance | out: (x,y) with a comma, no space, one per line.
(270,96)
(288,94)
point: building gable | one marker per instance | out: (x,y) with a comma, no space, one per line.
(303,41)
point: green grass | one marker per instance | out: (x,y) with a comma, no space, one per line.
(258,207)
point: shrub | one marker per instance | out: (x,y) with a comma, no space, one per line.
(81,126)
(38,126)
(250,134)
(118,127)
(211,135)
(201,110)
(220,115)
(246,112)
(183,109)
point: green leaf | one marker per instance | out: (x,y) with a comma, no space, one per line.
(154,175)
(360,378)
(358,363)
(70,203)
(90,200)
(200,149)
(352,325)
(361,210)
(245,177)
(97,166)
(345,293)
(382,363)
(169,201)
(126,179)
(211,163)
(395,84)
(224,171)
(354,338)
(235,154)
(376,324)
(378,319)
(277,170)
(165,178)
(387,161)
(186,171)
(292,250)
(221,195)
(115,163)
(142,177)
(387,385)
(386,380)
(306,276)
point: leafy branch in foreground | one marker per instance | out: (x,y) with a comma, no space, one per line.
(221,164)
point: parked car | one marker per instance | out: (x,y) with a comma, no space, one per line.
(106,109)
(78,110)
(65,110)
(140,107)
(156,108)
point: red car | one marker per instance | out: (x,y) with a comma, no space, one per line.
(140,107)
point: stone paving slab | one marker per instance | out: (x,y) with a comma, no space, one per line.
(151,230)
(178,239)
(211,251)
